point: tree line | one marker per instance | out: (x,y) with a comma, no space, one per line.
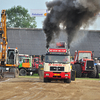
(19,17)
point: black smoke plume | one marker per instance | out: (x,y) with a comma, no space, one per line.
(72,14)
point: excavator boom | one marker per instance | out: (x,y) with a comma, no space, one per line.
(3,36)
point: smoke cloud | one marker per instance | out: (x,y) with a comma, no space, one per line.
(72,14)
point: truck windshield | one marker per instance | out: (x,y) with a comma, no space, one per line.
(84,55)
(21,58)
(57,59)
(25,60)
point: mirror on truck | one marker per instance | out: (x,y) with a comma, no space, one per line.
(42,57)
(71,58)
(92,54)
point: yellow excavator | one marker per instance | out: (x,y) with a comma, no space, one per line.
(8,56)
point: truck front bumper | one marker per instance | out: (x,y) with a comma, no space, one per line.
(57,75)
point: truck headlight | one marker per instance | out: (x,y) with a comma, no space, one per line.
(47,74)
(66,74)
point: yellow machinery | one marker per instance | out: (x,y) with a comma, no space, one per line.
(8,56)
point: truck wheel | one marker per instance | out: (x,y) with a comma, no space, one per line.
(73,67)
(22,72)
(84,74)
(28,73)
(67,81)
(78,70)
(32,73)
(73,75)
(97,68)
(93,73)
(98,71)
(45,80)
(49,80)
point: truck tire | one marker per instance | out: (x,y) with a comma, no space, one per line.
(78,70)
(73,67)
(67,81)
(98,71)
(97,68)
(32,73)
(73,75)
(22,72)
(84,74)
(45,80)
(49,80)
(28,73)
(93,73)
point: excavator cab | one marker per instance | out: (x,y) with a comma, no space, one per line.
(12,56)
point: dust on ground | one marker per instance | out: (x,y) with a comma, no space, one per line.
(35,89)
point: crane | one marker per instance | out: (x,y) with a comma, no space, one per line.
(8,56)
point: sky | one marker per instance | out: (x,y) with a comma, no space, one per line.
(39,4)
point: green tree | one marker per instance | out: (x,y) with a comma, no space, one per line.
(19,17)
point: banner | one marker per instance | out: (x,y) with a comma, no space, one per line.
(38,12)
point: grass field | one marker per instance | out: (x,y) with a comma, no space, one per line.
(34,76)
(37,76)
(89,78)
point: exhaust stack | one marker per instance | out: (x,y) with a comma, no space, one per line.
(68,51)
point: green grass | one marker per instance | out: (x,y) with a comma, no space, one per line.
(89,78)
(37,76)
(34,76)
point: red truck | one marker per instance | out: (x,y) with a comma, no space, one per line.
(57,65)
(36,62)
(84,64)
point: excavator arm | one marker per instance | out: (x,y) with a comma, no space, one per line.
(3,38)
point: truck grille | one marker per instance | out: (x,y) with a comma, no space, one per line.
(90,65)
(54,68)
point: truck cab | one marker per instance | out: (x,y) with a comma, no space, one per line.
(25,67)
(36,62)
(84,63)
(12,56)
(57,65)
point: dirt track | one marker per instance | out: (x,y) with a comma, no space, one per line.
(34,89)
